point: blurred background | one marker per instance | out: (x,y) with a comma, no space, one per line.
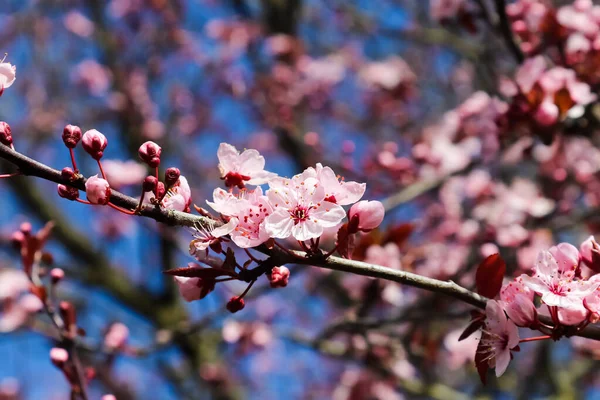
(407,96)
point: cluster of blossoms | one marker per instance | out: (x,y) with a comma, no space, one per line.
(303,207)
(566,282)
(548,94)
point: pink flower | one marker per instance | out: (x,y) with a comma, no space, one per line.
(368,214)
(179,197)
(253,209)
(239,169)
(557,286)
(97,190)
(499,337)
(388,255)
(205,237)
(460,352)
(518,303)
(300,209)
(8,74)
(194,288)
(250,208)
(336,191)
(567,257)
(94,143)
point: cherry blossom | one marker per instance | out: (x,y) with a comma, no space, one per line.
(8,74)
(557,286)
(194,288)
(517,300)
(178,197)
(240,169)
(499,337)
(300,208)
(204,237)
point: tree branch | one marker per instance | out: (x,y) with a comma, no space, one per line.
(28,166)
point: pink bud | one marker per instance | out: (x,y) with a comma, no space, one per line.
(279,277)
(149,183)
(17,239)
(590,253)
(68,174)
(108,397)
(94,143)
(97,190)
(567,256)
(56,275)
(194,288)
(71,136)
(5,134)
(59,357)
(26,228)
(161,190)
(68,192)
(172,176)
(235,304)
(117,336)
(150,153)
(369,214)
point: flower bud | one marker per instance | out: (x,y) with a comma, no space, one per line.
(172,176)
(365,215)
(97,190)
(235,304)
(150,153)
(590,254)
(5,134)
(279,277)
(71,136)
(67,192)
(117,336)
(17,239)
(59,357)
(69,316)
(108,397)
(56,275)
(26,228)
(94,143)
(149,183)
(68,174)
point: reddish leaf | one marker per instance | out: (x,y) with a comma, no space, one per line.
(481,362)
(345,242)
(488,277)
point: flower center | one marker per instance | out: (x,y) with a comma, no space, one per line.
(299,214)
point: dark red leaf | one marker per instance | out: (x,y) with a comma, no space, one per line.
(230,262)
(345,242)
(488,277)
(399,234)
(480,361)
